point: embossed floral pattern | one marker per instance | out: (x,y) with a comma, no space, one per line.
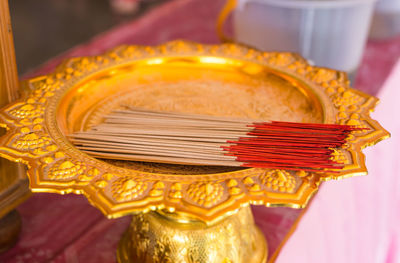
(31,141)
(339,156)
(347,98)
(139,236)
(127,189)
(162,251)
(206,194)
(279,180)
(66,170)
(46,87)
(27,111)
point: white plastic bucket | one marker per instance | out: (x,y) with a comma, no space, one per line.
(331,33)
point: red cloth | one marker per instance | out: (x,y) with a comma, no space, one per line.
(66,228)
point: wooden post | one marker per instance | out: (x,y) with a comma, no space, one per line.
(8,66)
(13,181)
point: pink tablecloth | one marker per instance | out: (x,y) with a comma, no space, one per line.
(67,229)
(358,219)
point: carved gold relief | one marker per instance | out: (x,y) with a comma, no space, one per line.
(32,142)
(279,180)
(205,194)
(127,189)
(27,111)
(64,170)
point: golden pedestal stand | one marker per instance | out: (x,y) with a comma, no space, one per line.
(164,237)
(182,213)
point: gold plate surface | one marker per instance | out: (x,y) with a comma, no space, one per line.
(227,80)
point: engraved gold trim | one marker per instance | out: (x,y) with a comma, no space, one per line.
(34,138)
(155,237)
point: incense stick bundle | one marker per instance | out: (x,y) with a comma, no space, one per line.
(141,135)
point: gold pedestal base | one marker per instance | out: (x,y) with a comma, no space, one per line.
(163,237)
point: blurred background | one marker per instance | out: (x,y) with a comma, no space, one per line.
(330,33)
(47,28)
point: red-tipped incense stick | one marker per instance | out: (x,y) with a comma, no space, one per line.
(141,135)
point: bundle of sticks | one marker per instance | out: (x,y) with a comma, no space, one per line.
(150,136)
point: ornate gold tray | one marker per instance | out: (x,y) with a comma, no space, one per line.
(229,80)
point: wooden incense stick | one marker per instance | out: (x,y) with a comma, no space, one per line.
(141,135)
